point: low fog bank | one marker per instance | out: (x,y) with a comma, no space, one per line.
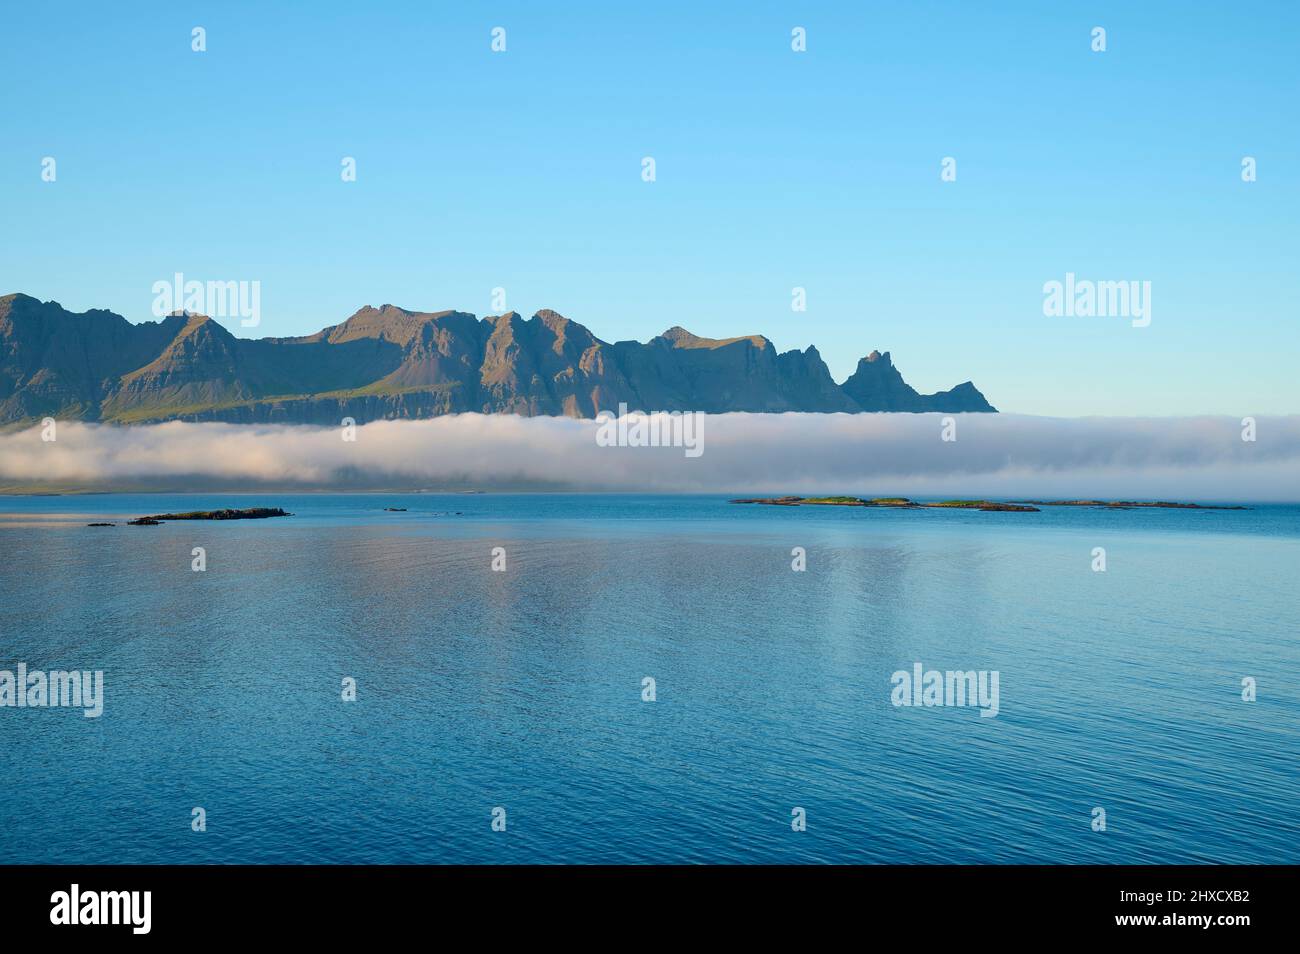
(1002,455)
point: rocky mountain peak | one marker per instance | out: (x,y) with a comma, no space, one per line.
(679,337)
(390,362)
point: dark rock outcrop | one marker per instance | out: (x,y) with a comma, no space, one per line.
(248,513)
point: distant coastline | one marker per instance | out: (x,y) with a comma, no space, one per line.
(1001,506)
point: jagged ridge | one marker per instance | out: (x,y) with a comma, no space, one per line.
(389,362)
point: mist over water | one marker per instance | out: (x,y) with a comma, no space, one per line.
(991,455)
(522,689)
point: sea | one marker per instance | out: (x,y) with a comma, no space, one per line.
(583,679)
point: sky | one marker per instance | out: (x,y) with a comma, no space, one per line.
(775,169)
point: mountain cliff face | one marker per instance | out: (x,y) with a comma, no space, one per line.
(388,362)
(876,384)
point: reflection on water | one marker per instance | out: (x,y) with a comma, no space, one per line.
(522,689)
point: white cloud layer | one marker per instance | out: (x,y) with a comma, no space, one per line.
(1202,458)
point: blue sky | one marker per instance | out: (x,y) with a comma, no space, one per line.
(775,169)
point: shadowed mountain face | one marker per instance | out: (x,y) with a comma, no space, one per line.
(876,385)
(392,363)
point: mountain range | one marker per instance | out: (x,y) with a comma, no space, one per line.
(388,362)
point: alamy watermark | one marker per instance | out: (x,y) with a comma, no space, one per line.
(683,429)
(1084,298)
(929,688)
(76,906)
(230,299)
(36,689)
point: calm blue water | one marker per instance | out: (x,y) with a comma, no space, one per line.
(522,689)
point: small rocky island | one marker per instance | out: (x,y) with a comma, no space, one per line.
(994,506)
(1131,504)
(900,503)
(251,513)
